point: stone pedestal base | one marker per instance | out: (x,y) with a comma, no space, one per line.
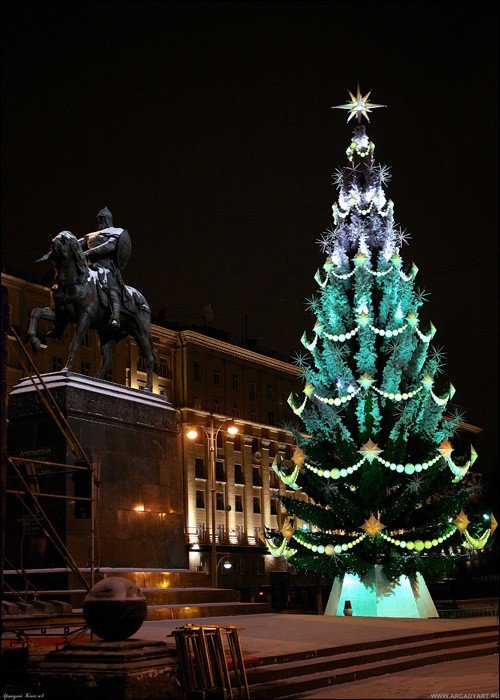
(129,670)
(374,595)
(130,436)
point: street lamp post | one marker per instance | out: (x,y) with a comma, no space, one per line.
(227,565)
(211,435)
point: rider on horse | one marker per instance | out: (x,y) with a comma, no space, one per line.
(108,252)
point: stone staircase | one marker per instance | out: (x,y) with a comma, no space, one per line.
(174,594)
(297,674)
(179,594)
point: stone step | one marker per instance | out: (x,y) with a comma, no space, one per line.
(174,596)
(172,578)
(184,612)
(155,612)
(33,581)
(337,661)
(286,676)
(299,686)
(36,607)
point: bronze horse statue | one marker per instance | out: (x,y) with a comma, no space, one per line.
(76,297)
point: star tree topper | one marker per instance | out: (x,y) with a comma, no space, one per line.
(359,106)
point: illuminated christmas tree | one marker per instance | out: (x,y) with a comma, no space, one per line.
(387,491)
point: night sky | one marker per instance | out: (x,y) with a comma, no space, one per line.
(207,129)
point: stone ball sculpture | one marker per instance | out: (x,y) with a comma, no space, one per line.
(114,608)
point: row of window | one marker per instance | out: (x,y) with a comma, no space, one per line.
(235,411)
(239,477)
(235,381)
(256,447)
(238,502)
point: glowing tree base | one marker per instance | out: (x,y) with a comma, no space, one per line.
(374,595)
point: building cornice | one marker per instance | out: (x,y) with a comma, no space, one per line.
(19,283)
(193,338)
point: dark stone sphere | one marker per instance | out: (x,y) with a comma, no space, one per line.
(114,609)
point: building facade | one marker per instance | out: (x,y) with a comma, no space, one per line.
(209,382)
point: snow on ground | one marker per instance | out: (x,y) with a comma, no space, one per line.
(462,679)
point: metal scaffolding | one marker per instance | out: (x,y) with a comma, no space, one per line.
(28,480)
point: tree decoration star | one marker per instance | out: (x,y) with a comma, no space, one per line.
(427,381)
(362,319)
(359,106)
(372,526)
(298,457)
(370,450)
(445,449)
(461,521)
(366,380)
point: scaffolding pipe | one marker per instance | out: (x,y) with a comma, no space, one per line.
(75,447)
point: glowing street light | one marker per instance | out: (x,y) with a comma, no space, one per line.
(211,434)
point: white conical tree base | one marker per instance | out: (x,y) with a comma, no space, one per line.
(374,595)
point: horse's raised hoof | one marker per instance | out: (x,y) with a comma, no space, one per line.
(35,343)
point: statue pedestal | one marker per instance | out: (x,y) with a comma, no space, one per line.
(132,670)
(374,595)
(130,436)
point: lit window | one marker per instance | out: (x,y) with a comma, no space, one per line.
(238,474)
(256,479)
(200,499)
(199,468)
(163,368)
(220,473)
(273,480)
(219,500)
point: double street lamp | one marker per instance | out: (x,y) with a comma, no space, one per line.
(211,434)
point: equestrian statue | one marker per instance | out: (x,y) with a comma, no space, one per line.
(89,291)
